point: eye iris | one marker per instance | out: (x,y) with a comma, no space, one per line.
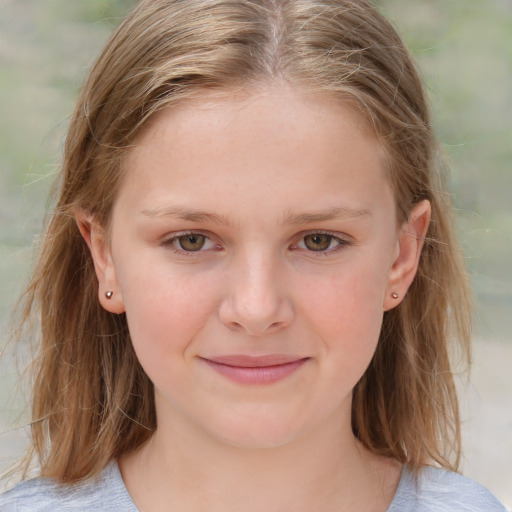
(191,242)
(317,242)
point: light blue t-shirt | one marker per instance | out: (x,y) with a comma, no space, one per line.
(436,490)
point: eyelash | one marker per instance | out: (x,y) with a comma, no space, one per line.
(183,252)
(341,243)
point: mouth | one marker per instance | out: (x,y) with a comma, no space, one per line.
(255,370)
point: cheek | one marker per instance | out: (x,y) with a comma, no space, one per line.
(164,312)
(346,311)
(351,296)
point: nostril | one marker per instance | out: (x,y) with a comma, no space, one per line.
(235,326)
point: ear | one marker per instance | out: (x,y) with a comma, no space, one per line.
(95,238)
(409,245)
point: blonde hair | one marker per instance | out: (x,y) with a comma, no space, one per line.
(92,401)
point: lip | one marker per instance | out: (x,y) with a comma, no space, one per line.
(255,370)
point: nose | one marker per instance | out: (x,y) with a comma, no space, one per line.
(255,299)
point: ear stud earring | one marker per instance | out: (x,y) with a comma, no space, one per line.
(394,295)
(109,294)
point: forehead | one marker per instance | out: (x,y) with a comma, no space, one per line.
(266,144)
(231,114)
(299,104)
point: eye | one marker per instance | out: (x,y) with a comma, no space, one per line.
(190,242)
(321,242)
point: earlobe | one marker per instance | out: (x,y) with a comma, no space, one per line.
(410,244)
(109,293)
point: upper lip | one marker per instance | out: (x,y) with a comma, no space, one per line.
(246,361)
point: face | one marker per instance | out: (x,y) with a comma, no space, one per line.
(254,247)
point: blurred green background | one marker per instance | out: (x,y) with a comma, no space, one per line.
(464,48)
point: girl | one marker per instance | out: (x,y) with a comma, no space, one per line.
(250,286)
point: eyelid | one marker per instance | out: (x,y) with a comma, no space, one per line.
(342,239)
(169,240)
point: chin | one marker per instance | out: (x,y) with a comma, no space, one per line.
(257,431)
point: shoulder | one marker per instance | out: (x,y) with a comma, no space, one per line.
(439,490)
(106,492)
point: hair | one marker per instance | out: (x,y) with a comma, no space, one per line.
(92,401)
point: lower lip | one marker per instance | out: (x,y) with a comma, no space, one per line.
(256,375)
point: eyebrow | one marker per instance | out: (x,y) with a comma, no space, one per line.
(327,214)
(191,215)
(185,214)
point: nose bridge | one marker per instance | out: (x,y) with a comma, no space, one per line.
(255,298)
(257,276)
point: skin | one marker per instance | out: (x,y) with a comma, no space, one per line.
(270,170)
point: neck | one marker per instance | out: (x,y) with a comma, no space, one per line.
(325,471)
